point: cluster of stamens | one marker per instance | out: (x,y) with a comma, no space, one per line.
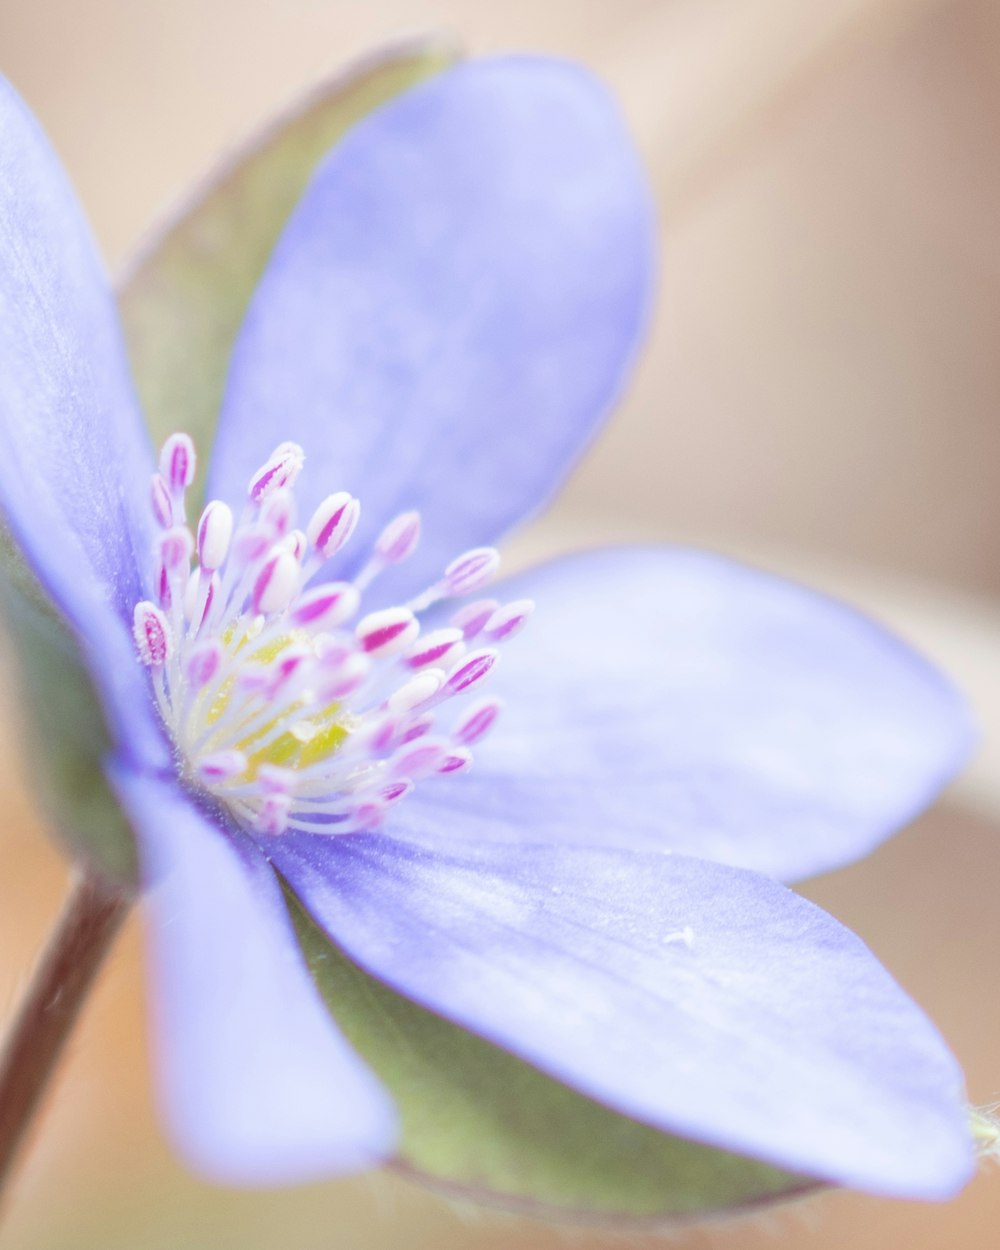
(284,701)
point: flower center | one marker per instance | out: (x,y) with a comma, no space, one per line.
(285,702)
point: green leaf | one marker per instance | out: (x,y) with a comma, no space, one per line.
(483,1125)
(183,301)
(64,725)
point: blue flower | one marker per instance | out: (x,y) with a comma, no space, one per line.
(450,312)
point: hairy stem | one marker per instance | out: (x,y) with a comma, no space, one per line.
(91,916)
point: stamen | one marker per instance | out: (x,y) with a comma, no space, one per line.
(326,606)
(215,531)
(436,648)
(177,464)
(470,572)
(163,509)
(470,672)
(508,620)
(420,760)
(276,583)
(281,469)
(399,538)
(152,634)
(277,707)
(272,816)
(332,524)
(176,547)
(277,513)
(222,766)
(416,691)
(471,619)
(387,632)
(396,543)
(457,761)
(202,664)
(477,722)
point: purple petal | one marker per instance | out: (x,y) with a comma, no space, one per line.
(672,699)
(701,999)
(452,307)
(257,1084)
(74,459)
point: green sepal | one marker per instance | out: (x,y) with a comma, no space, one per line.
(484,1126)
(63,726)
(182,303)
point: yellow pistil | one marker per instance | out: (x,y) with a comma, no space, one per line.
(309,739)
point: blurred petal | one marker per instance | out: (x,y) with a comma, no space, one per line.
(74,460)
(674,699)
(700,999)
(257,1084)
(452,308)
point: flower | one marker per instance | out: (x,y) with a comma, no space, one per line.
(450,311)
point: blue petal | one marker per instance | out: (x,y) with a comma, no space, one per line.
(452,309)
(672,699)
(74,458)
(700,999)
(257,1084)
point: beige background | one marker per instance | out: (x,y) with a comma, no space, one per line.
(820,393)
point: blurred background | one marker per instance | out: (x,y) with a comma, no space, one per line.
(820,395)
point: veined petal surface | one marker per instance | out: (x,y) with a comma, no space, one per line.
(451,310)
(674,699)
(703,1000)
(257,1084)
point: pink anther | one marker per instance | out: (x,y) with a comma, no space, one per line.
(215,531)
(367,817)
(396,790)
(471,571)
(281,469)
(325,606)
(202,664)
(333,522)
(177,464)
(508,620)
(222,766)
(470,672)
(472,617)
(176,547)
(477,722)
(438,647)
(275,780)
(278,512)
(163,509)
(419,760)
(421,687)
(387,632)
(276,583)
(272,815)
(399,538)
(458,760)
(152,634)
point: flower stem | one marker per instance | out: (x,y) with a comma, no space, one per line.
(90,918)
